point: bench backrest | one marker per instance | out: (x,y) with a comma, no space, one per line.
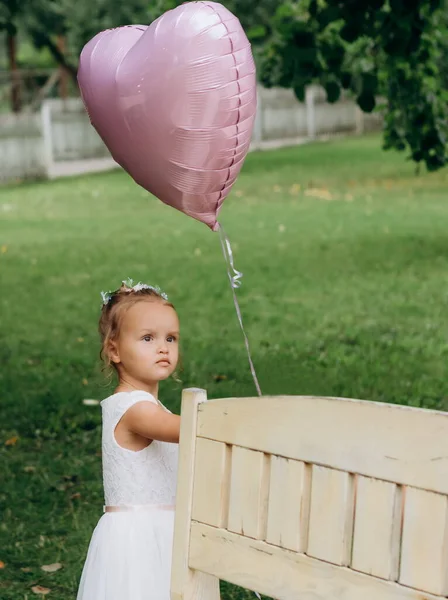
(306,497)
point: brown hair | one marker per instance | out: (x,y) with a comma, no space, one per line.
(116,304)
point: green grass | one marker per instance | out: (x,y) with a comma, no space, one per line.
(344,293)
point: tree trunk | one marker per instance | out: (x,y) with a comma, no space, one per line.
(63,77)
(11,48)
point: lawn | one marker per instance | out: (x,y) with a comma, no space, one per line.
(344,251)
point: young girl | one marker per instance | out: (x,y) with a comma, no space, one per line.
(129,556)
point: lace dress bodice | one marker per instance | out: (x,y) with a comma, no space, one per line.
(147,476)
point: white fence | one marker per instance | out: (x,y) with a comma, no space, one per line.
(60,139)
(21,147)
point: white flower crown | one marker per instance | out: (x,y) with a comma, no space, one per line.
(106,296)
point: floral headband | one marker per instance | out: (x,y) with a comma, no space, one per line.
(106,296)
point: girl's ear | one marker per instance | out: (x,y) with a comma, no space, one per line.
(113,353)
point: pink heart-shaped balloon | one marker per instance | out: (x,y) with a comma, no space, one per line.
(175,103)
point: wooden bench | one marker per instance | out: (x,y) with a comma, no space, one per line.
(307,498)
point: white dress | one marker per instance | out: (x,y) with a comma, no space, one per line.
(129,556)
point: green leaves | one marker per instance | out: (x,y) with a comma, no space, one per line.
(333,90)
(367,87)
(376,48)
(366,102)
(8,12)
(256,32)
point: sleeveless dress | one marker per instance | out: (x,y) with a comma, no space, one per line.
(129,556)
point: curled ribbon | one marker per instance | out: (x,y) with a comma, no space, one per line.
(235,282)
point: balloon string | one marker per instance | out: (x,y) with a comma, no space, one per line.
(235,282)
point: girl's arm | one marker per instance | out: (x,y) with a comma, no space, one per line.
(152,422)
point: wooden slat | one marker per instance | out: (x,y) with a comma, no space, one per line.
(289,498)
(186,583)
(377,528)
(424,552)
(331,515)
(249,488)
(283,574)
(211,483)
(400,444)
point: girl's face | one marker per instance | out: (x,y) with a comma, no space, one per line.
(147,350)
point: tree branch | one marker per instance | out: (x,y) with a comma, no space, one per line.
(41,39)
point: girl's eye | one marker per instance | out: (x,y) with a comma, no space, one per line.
(147,338)
(171,338)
